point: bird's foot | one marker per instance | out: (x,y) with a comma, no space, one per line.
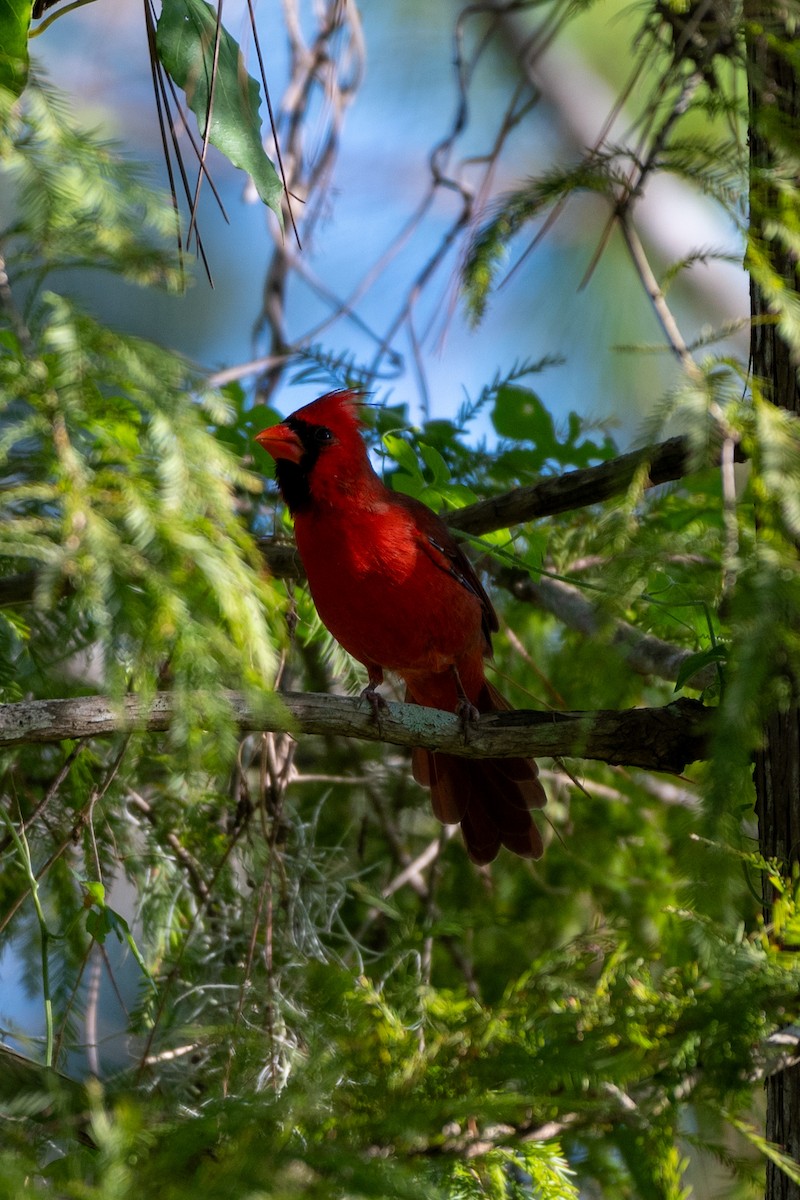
(375,700)
(468,715)
(466,711)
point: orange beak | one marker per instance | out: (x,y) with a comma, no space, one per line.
(281,442)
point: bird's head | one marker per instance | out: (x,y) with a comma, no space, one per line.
(318,450)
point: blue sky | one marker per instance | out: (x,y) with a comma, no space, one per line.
(98,56)
(406,103)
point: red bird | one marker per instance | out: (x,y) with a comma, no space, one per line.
(395,589)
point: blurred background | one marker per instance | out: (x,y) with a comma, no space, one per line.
(376,279)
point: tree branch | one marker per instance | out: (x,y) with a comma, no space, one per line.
(665,462)
(660,739)
(644,653)
(575,489)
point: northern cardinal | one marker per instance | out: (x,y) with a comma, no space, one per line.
(395,589)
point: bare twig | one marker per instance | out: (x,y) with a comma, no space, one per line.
(90,1014)
(657,298)
(189,863)
(51,792)
(331,61)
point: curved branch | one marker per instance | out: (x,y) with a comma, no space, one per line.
(660,739)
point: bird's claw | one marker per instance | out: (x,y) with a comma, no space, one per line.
(375,700)
(467,714)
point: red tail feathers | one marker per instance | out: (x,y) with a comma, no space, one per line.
(490,797)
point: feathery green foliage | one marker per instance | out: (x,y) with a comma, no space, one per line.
(115,488)
(305,989)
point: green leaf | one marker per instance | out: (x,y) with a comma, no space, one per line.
(98,925)
(185,40)
(409,485)
(520,414)
(15,19)
(95,891)
(259,417)
(518,463)
(102,920)
(582,453)
(403,454)
(241,431)
(696,662)
(435,464)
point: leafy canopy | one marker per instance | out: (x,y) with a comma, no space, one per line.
(313,991)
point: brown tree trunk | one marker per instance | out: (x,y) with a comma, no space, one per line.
(777,779)
(774,100)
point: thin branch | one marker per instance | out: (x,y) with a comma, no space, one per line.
(90,1014)
(206,132)
(579,98)
(82,819)
(189,863)
(315,66)
(644,653)
(271,113)
(64,771)
(660,739)
(774,1054)
(658,300)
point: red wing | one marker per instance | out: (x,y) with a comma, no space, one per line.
(442,548)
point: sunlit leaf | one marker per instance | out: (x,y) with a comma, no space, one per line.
(697,662)
(404,455)
(519,414)
(186,39)
(435,463)
(15,19)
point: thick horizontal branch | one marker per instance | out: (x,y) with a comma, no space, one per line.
(660,739)
(664,462)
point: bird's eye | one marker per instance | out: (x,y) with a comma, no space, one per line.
(322,435)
